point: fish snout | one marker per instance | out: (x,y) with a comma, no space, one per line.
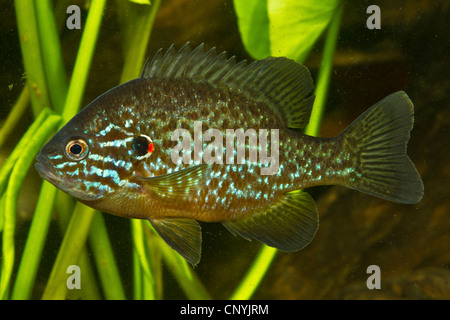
(46,169)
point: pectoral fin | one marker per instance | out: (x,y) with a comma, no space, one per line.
(288,225)
(182,235)
(178,186)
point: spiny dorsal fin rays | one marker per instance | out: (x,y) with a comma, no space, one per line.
(284,85)
(173,62)
(188,64)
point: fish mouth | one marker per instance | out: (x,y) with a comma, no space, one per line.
(46,169)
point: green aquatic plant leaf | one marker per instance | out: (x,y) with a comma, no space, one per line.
(253,23)
(296,25)
(286,28)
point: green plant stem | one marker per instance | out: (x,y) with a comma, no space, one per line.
(156,264)
(2,208)
(69,253)
(29,263)
(323,79)
(137,277)
(51,54)
(255,274)
(83,61)
(90,289)
(147,263)
(265,257)
(138,35)
(29,150)
(6,168)
(64,206)
(32,56)
(146,283)
(14,115)
(104,258)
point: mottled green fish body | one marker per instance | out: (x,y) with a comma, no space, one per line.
(125,153)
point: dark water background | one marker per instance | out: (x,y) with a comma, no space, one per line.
(410,243)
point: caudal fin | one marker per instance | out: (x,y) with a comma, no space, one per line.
(381,135)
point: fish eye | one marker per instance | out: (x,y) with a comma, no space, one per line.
(76,149)
(143,145)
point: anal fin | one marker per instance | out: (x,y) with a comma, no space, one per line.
(182,235)
(288,225)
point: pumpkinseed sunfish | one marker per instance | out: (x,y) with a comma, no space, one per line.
(153,148)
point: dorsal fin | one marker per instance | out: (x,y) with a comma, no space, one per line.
(284,85)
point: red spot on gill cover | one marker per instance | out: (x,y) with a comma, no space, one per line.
(151,147)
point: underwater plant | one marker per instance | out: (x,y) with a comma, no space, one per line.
(267,28)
